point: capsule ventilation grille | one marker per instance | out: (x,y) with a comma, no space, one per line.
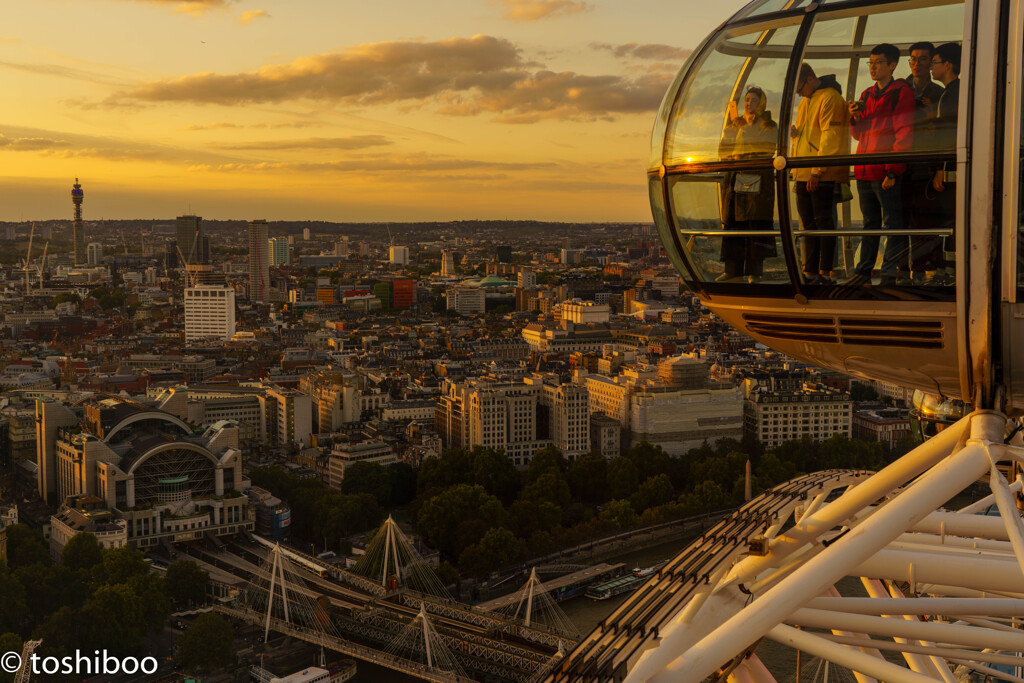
(918,334)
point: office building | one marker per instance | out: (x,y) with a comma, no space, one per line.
(527,279)
(447,263)
(518,417)
(467,300)
(345,454)
(280,251)
(259,262)
(398,256)
(94,254)
(293,415)
(192,240)
(503,252)
(209,312)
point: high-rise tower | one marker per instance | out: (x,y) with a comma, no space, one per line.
(192,240)
(259,262)
(78,234)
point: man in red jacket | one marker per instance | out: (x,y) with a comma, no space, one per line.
(882,120)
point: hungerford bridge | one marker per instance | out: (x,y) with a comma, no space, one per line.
(940,594)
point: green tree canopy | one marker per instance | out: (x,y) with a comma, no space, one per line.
(206,644)
(588,479)
(25,546)
(459,517)
(497,549)
(623,478)
(185,582)
(83,551)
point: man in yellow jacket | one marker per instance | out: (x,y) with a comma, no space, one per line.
(820,130)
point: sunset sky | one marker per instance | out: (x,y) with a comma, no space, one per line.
(337,110)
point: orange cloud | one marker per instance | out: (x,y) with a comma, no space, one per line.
(31,144)
(460,76)
(248,16)
(350,142)
(193,7)
(419,162)
(645,50)
(532,10)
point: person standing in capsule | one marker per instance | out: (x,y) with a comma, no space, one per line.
(748,197)
(819,130)
(882,120)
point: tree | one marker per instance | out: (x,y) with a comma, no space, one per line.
(862,391)
(9,642)
(206,644)
(83,551)
(550,487)
(13,602)
(119,565)
(185,582)
(458,517)
(368,477)
(653,492)
(497,549)
(25,547)
(620,513)
(588,479)
(623,478)
(116,620)
(547,458)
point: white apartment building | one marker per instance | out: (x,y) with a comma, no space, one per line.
(526,278)
(520,417)
(566,410)
(682,419)
(467,300)
(209,312)
(398,256)
(811,410)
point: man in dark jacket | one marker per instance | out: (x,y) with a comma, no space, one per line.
(881,121)
(946,70)
(919,204)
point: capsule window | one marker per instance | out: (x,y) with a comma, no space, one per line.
(728,107)
(727,223)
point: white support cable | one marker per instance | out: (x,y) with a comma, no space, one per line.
(969,636)
(989,671)
(850,658)
(915,661)
(939,651)
(979,505)
(937,663)
(924,606)
(874,652)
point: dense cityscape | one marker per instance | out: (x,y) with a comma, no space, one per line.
(502,393)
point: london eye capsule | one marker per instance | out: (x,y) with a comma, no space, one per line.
(840,180)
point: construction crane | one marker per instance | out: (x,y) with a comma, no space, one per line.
(189,275)
(28,256)
(25,671)
(42,264)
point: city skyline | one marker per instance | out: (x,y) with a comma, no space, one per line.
(488,109)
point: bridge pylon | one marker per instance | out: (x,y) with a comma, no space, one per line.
(534,605)
(392,560)
(419,641)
